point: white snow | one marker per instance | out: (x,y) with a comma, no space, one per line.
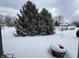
(56,48)
(38,46)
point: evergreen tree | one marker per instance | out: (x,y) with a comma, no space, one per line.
(57,23)
(45,23)
(27,21)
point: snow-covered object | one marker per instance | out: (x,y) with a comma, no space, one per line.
(58,48)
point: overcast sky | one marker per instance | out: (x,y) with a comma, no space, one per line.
(67,8)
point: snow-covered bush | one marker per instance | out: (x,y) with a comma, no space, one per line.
(72,28)
(64,28)
(30,22)
(77,33)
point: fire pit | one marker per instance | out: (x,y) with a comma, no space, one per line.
(58,51)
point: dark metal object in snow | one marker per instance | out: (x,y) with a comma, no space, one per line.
(78,49)
(1,46)
(58,54)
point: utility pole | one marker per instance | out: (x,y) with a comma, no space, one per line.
(1,46)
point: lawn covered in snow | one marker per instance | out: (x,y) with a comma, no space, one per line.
(38,46)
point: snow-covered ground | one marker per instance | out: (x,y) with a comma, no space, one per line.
(38,46)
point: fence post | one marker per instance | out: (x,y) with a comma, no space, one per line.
(1,46)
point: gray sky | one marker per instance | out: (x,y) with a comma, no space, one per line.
(67,8)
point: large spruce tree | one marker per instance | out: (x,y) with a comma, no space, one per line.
(27,21)
(30,22)
(45,24)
